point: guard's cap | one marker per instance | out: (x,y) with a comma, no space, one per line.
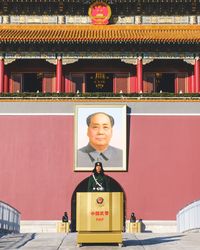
(98,163)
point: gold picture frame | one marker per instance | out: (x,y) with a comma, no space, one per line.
(85,151)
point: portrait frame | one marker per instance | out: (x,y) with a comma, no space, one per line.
(118,140)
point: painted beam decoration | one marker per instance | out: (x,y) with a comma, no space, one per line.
(99,13)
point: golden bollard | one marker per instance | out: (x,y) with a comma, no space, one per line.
(63,227)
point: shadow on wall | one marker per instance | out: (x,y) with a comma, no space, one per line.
(143,228)
(9,219)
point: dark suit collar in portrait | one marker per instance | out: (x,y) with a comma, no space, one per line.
(96,156)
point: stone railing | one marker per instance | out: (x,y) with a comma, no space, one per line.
(188,218)
(9,219)
(85,19)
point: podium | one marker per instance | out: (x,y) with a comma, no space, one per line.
(99,217)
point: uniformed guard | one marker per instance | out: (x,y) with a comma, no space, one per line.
(65,217)
(98,182)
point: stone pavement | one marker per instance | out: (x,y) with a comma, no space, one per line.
(139,241)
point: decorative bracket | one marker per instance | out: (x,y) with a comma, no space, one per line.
(69,60)
(64,60)
(129,61)
(189,61)
(52,60)
(9,60)
(147,60)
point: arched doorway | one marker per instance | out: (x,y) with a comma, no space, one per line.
(82,187)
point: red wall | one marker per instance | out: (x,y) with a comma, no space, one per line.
(36,170)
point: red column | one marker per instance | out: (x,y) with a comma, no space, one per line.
(59,75)
(5,89)
(139,74)
(63,84)
(44,84)
(1,74)
(197,75)
(83,87)
(67,85)
(10,85)
(133,83)
(193,82)
(114,85)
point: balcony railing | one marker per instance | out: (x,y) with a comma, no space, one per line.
(188,218)
(9,219)
(101,95)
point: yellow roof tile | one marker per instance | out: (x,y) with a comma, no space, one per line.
(106,33)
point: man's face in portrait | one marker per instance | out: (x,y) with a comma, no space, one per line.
(99,132)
